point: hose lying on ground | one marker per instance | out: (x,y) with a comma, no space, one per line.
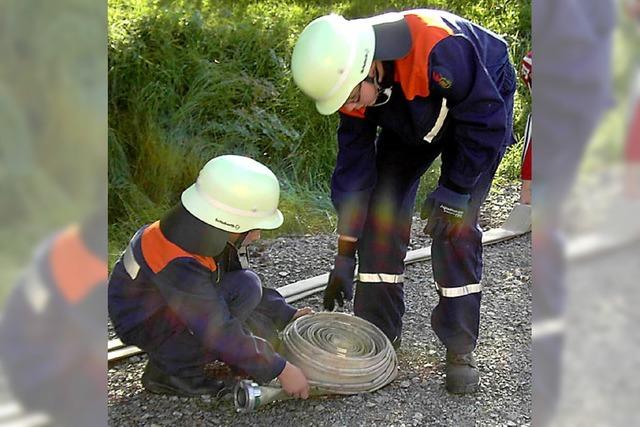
(338,353)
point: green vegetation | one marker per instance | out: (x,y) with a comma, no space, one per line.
(189,80)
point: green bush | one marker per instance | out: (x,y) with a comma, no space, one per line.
(189,80)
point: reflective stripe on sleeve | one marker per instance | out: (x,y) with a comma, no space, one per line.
(380,278)
(130,263)
(439,122)
(459,291)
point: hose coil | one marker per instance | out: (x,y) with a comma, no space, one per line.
(340,353)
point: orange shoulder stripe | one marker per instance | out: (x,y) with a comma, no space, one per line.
(158,251)
(359,113)
(76,271)
(411,70)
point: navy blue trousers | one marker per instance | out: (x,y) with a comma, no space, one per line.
(383,245)
(182,354)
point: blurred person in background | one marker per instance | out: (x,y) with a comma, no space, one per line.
(182,292)
(632,146)
(526,72)
(434,84)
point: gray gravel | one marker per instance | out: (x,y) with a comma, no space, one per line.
(417,396)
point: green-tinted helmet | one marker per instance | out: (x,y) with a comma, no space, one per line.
(235,194)
(331,57)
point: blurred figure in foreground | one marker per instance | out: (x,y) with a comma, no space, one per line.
(572,41)
(53,128)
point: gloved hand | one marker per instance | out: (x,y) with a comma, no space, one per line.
(445,209)
(340,286)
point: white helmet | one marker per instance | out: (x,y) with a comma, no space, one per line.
(333,55)
(235,194)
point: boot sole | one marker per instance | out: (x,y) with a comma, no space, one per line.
(463,389)
(157,388)
(470,388)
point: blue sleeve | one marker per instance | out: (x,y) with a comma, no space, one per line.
(355,173)
(274,303)
(190,292)
(476,107)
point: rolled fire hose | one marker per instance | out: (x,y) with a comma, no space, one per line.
(338,353)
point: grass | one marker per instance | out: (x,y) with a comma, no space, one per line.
(189,80)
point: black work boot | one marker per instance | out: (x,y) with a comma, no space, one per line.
(462,373)
(157,381)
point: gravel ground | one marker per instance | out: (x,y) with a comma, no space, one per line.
(417,396)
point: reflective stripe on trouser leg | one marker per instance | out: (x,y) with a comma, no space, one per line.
(457,269)
(380,278)
(390,292)
(383,243)
(459,291)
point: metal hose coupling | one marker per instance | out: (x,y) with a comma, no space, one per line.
(338,353)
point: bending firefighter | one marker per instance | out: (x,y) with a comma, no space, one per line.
(182,293)
(410,87)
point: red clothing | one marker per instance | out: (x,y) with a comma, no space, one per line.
(527,78)
(632,148)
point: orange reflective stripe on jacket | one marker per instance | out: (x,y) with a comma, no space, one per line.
(158,251)
(76,271)
(411,70)
(358,113)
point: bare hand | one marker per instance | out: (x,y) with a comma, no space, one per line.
(293,381)
(302,312)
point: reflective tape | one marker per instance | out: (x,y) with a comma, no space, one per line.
(130,263)
(36,291)
(380,278)
(545,328)
(460,291)
(439,122)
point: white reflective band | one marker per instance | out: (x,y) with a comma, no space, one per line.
(459,291)
(545,328)
(36,292)
(230,209)
(380,278)
(441,117)
(527,136)
(130,263)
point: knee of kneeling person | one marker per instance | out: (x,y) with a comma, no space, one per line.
(249,287)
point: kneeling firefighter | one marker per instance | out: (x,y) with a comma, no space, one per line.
(182,293)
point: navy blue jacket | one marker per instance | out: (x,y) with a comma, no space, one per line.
(452,65)
(173,288)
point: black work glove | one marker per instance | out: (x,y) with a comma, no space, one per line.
(340,286)
(445,209)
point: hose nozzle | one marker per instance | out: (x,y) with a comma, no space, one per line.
(249,396)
